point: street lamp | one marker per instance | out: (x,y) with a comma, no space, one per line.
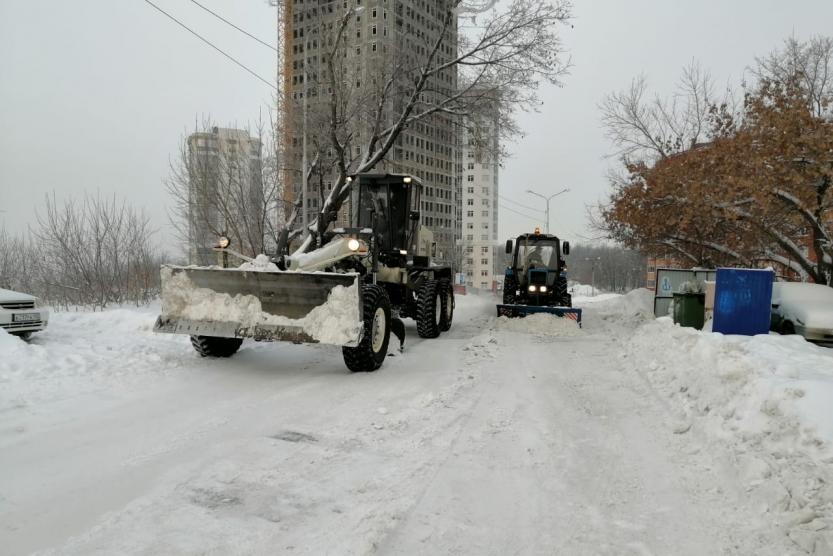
(547,199)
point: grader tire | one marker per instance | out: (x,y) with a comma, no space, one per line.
(372,350)
(448,304)
(212,346)
(429,310)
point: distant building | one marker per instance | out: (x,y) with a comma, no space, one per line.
(480,255)
(225,193)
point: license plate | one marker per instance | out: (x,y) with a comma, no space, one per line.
(25,317)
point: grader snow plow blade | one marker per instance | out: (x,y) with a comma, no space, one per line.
(315,307)
(516,311)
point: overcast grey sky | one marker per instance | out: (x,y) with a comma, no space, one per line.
(96,94)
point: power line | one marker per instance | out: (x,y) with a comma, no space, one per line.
(226,21)
(209,43)
(510,209)
(519,204)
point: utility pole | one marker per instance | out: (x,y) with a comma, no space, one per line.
(547,199)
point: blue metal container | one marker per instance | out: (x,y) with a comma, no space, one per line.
(742,301)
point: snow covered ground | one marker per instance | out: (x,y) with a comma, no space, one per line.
(629,436)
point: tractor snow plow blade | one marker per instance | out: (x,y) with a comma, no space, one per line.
(515,311)
(315,307)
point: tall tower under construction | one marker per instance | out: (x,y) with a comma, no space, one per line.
(381,37)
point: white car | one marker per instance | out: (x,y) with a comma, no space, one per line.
(805,309)
(21,314)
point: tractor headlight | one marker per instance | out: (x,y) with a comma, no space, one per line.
(353,244)
(223,242)
(403,252)
(543,289)
(531,288)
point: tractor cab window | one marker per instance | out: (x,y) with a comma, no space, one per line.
(374,201)
(538,254)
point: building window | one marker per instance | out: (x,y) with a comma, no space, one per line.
(470,178)
(485,213)
(470,213)
(484,261)
(484,272)
(470,202)
(470,166)
(484,249)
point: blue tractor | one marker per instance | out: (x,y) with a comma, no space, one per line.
(536,280)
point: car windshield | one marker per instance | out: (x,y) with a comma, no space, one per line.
(537,254)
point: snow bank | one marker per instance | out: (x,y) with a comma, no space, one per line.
(335,322)
(540,324)
(83,352)
(630,310)
(768,400)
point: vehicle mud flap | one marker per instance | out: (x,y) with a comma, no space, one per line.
(398,329)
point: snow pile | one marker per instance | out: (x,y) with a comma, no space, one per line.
(541,324)
(583,290)
(261,263)
(635,307)
(83,352)
(335,322)
(766,399)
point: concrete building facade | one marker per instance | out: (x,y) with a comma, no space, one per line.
(481,261)
(381,38)
(225,193)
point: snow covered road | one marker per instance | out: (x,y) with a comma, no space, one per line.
(489,440)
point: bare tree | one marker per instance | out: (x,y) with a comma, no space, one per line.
(505,53)
(222,184)
(648,127)
(93,252)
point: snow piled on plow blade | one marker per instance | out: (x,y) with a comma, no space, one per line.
(265,306)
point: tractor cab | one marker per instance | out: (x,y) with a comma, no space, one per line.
(389,205)
(537,273)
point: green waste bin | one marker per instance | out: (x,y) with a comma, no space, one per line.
(690,309)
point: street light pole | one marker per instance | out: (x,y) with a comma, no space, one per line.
(547,199)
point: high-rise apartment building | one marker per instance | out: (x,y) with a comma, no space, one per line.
(383,38)
(479,249)
(225,193)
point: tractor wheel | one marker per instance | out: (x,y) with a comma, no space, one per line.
(372,350)
(447,293)
(429,310)
(213,346)
(564,298)
(787,328)
(509,287)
